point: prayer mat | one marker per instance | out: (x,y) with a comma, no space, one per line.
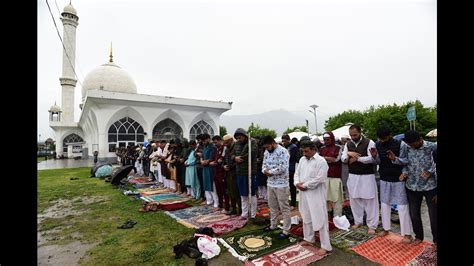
(228,225)
(190,212)
(161,197)
(297,230)
(293,255)
(346,240)
(153,191)
(263,212)
(206,219)
(428,257)
(145,185)
(138,180)
(389,250)
(173,206)
(256,243)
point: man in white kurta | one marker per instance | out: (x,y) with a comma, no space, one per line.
(155,156)
(361,182)
(310,179)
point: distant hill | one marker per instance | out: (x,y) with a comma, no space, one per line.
(279,120)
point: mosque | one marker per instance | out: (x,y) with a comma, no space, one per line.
(113,114)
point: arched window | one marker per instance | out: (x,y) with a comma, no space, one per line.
(167,130)
(125,131)
(71,139)
(200,127)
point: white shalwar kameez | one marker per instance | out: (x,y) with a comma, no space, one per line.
(313,174)
(363,193)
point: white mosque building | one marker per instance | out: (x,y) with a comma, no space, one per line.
(114,114)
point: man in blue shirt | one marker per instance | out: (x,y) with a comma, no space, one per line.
(421,181)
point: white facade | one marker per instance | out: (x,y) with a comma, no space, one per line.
(114,115)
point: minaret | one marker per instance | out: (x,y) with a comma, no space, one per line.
(68,80)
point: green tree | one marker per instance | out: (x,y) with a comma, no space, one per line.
(393,116)
(223,131)
(339,120)
(296,128)
(255,130)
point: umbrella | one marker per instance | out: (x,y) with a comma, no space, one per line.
(399,136)
(97,166)
(120,174)
(104,170)
(433,133)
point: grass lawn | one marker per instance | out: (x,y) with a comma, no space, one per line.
(41,158)
(149,242)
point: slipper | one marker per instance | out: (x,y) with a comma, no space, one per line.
(130,222)
(125,226)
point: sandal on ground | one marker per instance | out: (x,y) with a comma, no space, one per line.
(125,226)
(131,222)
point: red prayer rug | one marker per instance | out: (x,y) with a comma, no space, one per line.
(297,230)
(389,250)
(228,225)
(173,206)
(293,255)
(263,212)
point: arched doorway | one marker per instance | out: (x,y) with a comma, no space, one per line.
(167,130)
(76,142)
(200,127)
(125,132)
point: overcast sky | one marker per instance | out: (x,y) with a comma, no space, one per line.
(261,55)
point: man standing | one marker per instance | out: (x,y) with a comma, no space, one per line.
(345,168)
(240,157)
(261,178)
(390,155)
(310,180)
(229,168)
(208,171)
(421,181)
(193,186)
(96,154)
(332,154)
(361,183)
(219,177)
(275,167)
(293,151)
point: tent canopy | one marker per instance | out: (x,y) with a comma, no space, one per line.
(433,133)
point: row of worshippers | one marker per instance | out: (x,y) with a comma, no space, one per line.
(407,172)
(217,174)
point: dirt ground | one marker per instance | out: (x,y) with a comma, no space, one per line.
(65,254)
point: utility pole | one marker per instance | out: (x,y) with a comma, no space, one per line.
(314,106)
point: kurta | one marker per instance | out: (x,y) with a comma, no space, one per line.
(361,186)
(313,174)
(191,173)
(207,170)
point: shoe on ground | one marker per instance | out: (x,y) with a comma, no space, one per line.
(282,236)
(268,229)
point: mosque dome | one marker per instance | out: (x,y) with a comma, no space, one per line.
(70,9)
(109,77)
(54,109)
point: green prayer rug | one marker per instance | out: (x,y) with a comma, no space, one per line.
(346,240)
(256,243)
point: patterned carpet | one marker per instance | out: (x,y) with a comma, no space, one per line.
(389,250)
(294,255)
(346,240)
(428,257)
(256,243)
(229,225)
